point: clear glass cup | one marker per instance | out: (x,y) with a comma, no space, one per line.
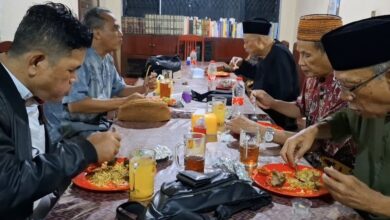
(301,208)
(219,109)
(166,84)
(142,170)
(249,147)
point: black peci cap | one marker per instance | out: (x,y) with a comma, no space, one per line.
(256,26)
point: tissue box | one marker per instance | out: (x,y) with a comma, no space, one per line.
(197,73)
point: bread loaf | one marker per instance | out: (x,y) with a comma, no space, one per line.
(144,110)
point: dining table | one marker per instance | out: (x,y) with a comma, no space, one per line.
(79,203)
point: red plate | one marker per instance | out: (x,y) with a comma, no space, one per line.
(263,179)
(82,181)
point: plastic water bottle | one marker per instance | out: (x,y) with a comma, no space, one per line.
(194,57)
(211,72)
(238,96)
(188,61)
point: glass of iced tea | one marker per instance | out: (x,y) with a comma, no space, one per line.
(142,169)
(249,147)
(191,154)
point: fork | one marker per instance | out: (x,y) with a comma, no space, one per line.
(254,116)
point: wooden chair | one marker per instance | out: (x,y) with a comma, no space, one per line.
(187,43)
(4,46)
(285,43)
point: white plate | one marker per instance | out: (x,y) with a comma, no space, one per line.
(162,152)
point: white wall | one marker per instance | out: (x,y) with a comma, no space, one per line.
(288,9)
(113,5)
(12,12)
(291,11)
(350,10)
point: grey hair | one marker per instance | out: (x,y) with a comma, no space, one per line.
(380,68)
(94,18)
(318,45)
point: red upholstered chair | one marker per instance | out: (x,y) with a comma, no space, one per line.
(187,43)
(4,46)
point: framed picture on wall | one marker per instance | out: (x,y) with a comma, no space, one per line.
(85,5)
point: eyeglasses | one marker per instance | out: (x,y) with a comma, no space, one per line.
(355,87)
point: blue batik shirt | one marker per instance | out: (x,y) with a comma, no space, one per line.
(97,78)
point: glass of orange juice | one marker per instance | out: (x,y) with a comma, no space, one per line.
(219,109)
(165,88)
(142,169)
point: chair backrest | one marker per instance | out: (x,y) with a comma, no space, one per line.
(4,46)
(285,43)
(188,43)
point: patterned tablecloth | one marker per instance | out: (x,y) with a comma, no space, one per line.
(77,203)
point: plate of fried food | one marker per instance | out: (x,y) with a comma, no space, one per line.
(107,176)
(304,181)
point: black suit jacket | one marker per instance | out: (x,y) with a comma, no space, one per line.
(24,179)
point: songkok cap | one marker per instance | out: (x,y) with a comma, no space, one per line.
(359,44)
(256,26)
(313,27)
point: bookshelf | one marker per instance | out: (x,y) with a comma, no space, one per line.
(136,48)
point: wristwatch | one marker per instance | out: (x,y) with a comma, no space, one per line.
(269,135)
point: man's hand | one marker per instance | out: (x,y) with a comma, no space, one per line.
(106,144)
(241,122)
(296,146)
(262,98)
(151,82)
(134,96)
(235,62)
(350,191)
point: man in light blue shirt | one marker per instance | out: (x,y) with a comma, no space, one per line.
(99,87)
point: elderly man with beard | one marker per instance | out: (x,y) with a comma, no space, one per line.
(359,53)
(275,73)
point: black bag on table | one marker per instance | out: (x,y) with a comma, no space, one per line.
(161,62)
(187,199)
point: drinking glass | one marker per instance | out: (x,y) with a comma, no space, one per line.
(301,208)
(219,109)
(166,84)
(192,152)
(249,147)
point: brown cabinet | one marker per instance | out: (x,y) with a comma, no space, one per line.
(136,48)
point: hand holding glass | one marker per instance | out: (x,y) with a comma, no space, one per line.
(142,169)
(193,152)
(249,147)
